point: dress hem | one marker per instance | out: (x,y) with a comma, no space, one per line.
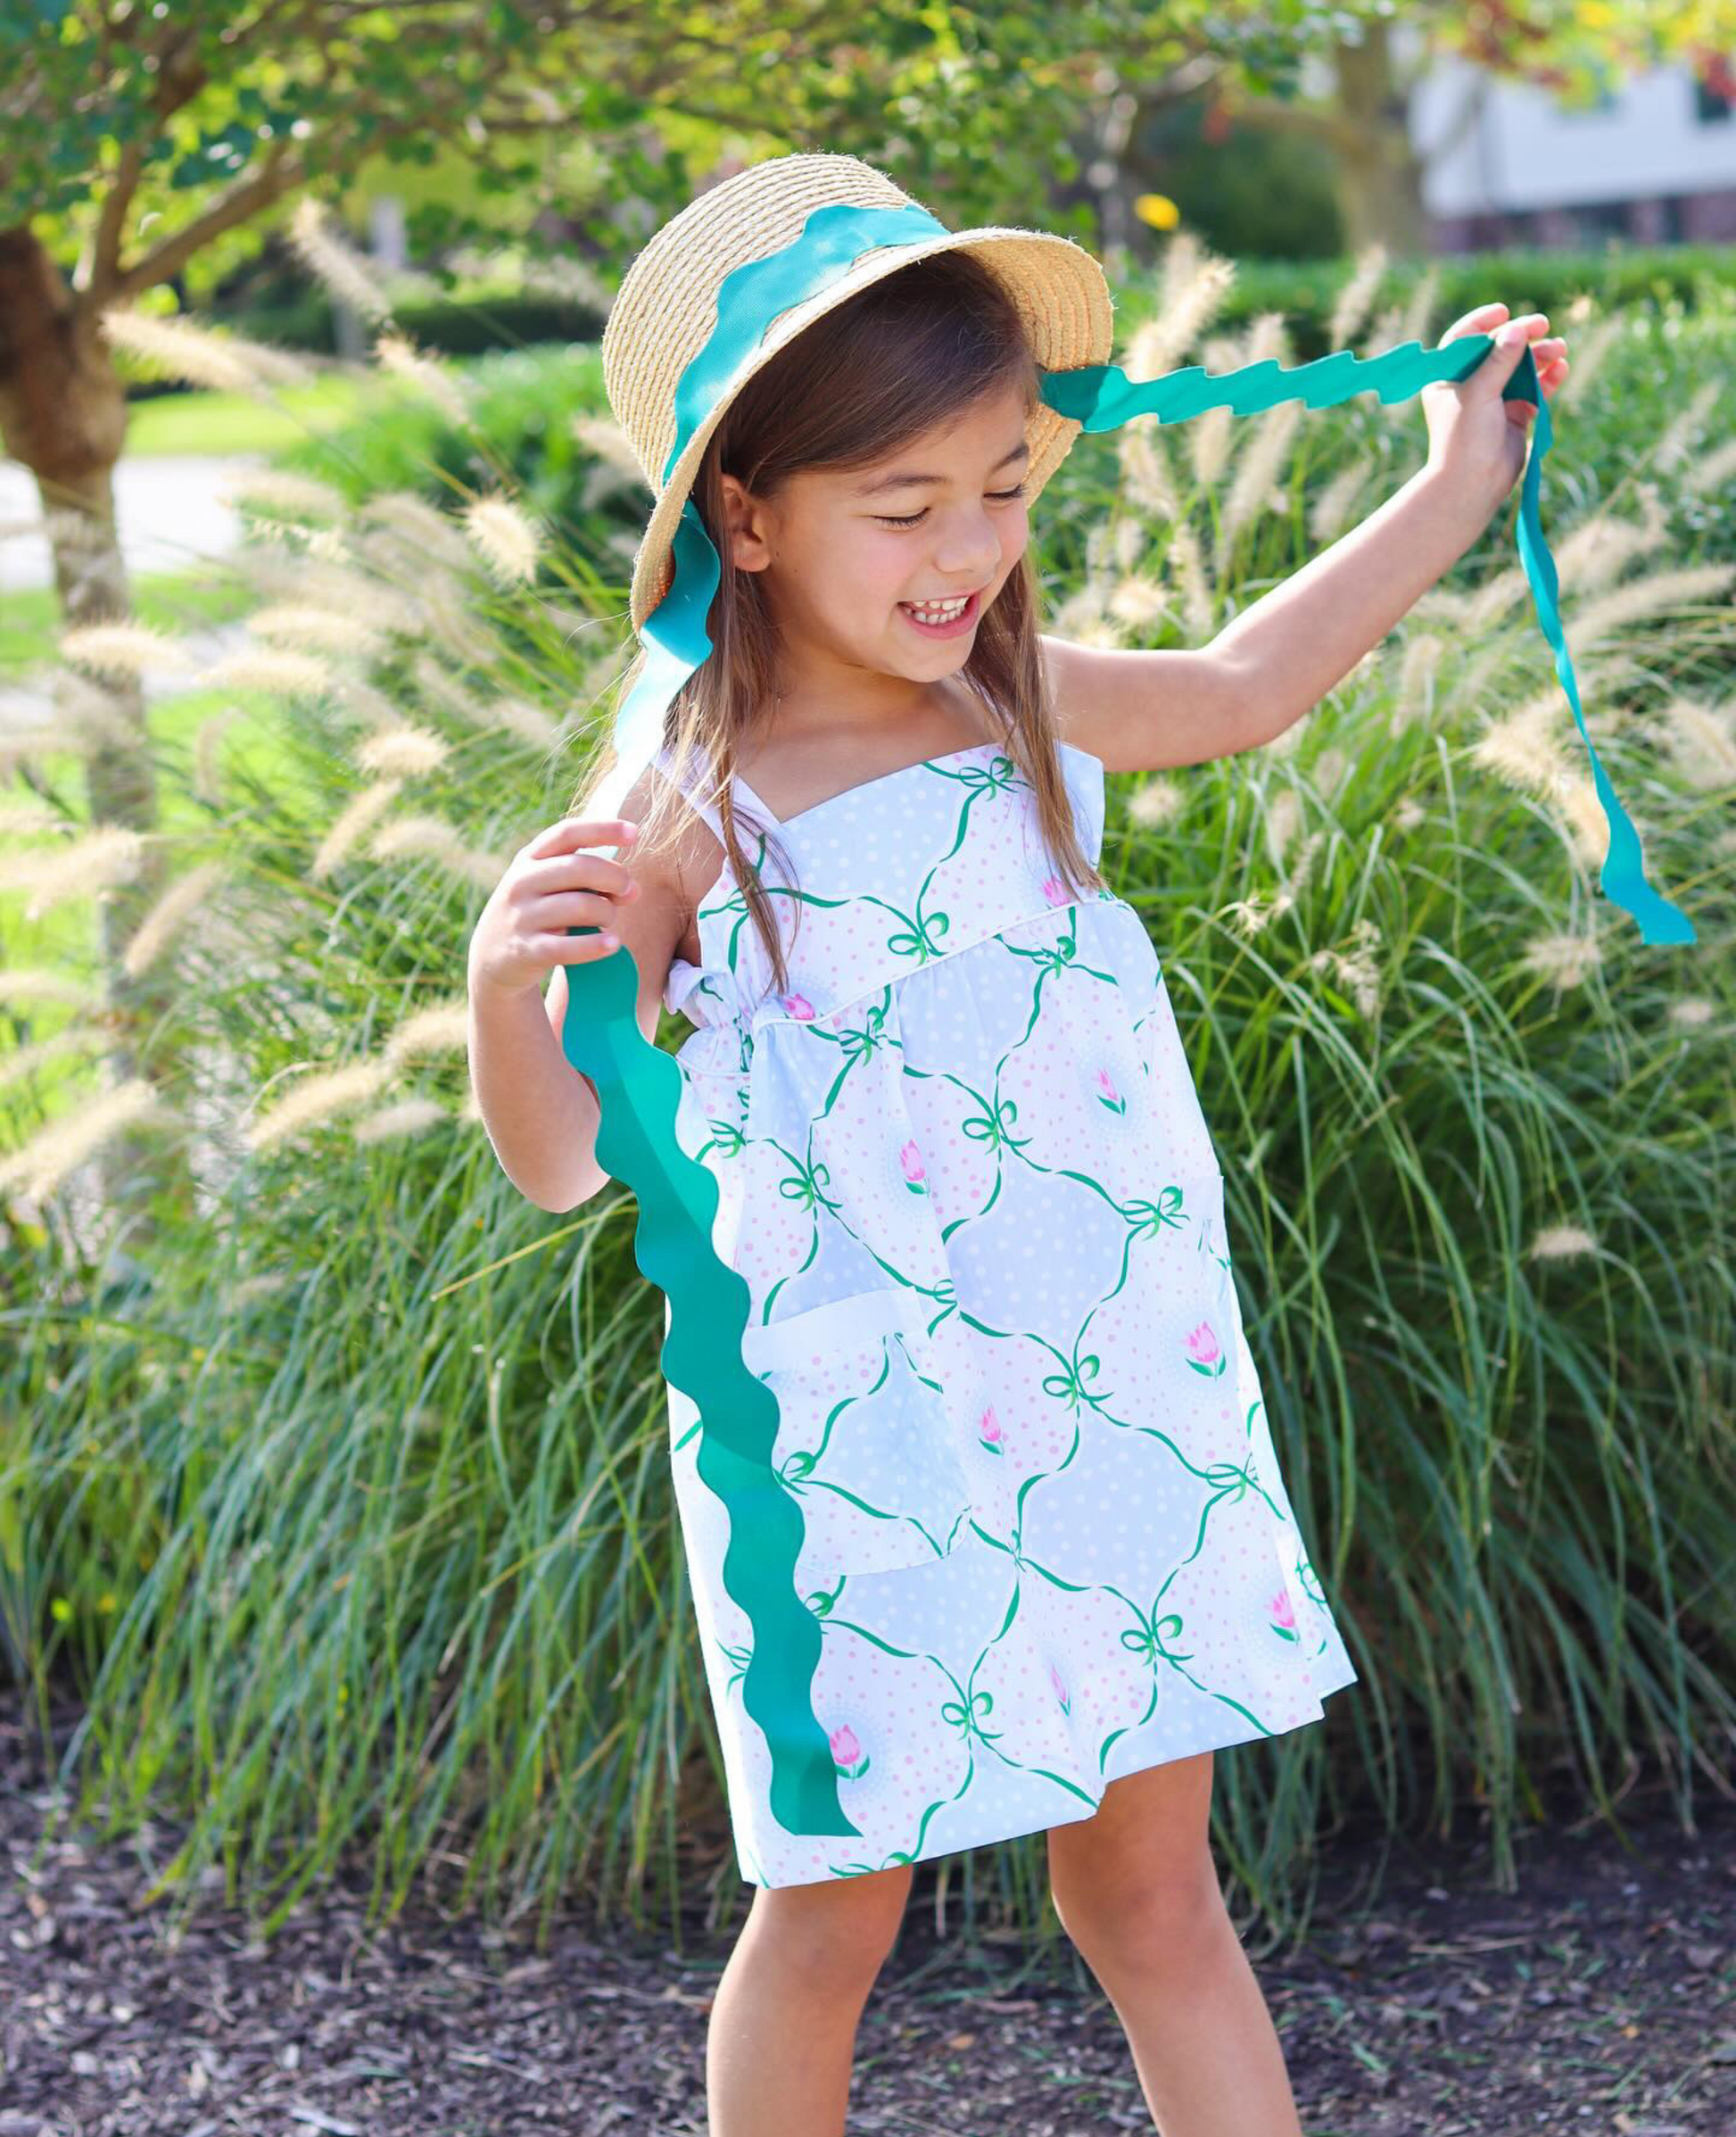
(989,1840)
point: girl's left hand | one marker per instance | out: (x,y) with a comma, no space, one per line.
(1476,441)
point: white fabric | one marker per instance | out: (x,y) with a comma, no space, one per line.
(962,1169)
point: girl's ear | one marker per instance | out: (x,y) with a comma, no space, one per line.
(746,521)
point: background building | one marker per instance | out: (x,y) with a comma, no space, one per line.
(1505,163)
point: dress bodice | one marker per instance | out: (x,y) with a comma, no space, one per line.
(890,875)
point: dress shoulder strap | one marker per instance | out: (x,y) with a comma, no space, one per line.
(749,809)
(688,788)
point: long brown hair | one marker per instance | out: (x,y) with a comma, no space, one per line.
(899,358)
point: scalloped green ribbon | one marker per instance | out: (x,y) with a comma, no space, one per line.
(639,1084)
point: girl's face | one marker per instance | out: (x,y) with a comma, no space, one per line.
(846,555)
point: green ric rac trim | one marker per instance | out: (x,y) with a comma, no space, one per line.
(638,1092)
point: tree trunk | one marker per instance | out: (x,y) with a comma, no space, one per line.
(63,415)
(1380,176)
(1110,125)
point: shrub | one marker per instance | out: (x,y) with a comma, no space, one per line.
(347,1514)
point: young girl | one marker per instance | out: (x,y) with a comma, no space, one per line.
(961,1163)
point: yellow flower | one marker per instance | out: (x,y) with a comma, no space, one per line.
(1158,209)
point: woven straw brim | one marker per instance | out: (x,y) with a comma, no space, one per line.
(1061,295)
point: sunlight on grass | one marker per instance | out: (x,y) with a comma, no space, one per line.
(223,423)
(170,600)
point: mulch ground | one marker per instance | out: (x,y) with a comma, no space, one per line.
(1600,1997)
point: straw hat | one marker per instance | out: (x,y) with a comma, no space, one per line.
(666,310)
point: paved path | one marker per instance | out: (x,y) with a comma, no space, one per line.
(170,517)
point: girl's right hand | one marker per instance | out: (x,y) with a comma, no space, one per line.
(552,884)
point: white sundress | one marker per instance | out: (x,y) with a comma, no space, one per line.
(962,1169)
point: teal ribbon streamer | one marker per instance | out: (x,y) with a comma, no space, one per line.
(638,1084)
(1101,397)
(637,1093)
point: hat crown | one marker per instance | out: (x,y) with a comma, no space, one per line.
(665,309)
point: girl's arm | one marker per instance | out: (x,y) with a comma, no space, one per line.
(541,1113)
(1140,710)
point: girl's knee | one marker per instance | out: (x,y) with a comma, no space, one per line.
(1140,1871)
(1171,1916)
(831,1935)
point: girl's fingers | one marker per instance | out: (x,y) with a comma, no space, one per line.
(583,871)
(1551,376)
(1499,365)
(1478,321)
(1549,352)
(581,909)
(573,832)
(578,949)
(1492,318)
(1528,327)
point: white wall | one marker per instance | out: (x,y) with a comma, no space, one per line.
(1520,150)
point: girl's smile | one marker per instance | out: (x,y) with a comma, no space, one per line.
(863,604)
(942,619)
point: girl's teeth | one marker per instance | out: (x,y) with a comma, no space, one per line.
(941,614)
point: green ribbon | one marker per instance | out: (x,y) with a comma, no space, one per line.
(639,1084)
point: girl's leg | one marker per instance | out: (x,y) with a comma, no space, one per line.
(783,2022)
(1137,1890)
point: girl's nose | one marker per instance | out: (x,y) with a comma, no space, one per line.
(968,557)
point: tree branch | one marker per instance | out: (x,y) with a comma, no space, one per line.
(102,255)
(180,84)
(250,33)
(1304,121)
(247,198)
(448,99)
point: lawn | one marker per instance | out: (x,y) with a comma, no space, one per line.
(222,423)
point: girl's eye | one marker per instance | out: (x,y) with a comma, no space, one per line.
(910,518)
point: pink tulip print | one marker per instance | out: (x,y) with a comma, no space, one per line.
(1060,1693)
(916,1174)
(988,1432)
(846,1754)
(1054,891)
(1204,1353)
(1107,1094)
(799,1006)
(1282,1616)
